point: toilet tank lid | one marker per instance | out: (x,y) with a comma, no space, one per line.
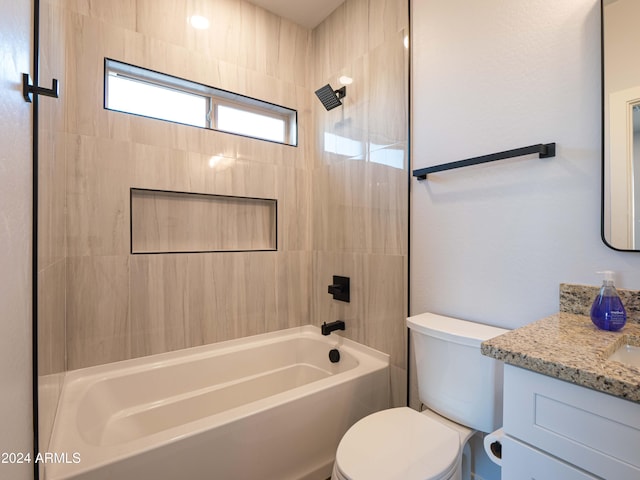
(453,329)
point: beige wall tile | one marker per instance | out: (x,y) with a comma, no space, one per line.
(158,292)
(293,290)
(253,291)
(84,72)
(183,300)
(385,305)
(414,394)
(165,20)
(387,210)
(294,209)
(51,319)
(240,34)
(149,131)
(116,12)
(222,175)
(357,28)
(163,222)
(218,172)
(398,379)
(97,196)
(98,327)
(51,195)
(330,50)
(267,51)
(293,48)
(161,168)
(386,18)
(365,209)
(238,294)
(388,107)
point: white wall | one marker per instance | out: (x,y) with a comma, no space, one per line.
(491,243)
(15,238)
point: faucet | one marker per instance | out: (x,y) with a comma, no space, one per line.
(327,328)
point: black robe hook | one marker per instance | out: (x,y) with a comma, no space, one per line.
(27,89)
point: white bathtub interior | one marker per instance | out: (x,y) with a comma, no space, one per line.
(129,417)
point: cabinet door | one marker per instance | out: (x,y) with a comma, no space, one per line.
(522,462)
(599,433)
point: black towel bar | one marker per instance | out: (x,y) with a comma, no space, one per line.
(545,150)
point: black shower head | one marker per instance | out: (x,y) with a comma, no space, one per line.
(329,97)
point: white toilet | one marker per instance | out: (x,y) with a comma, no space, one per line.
(462,392)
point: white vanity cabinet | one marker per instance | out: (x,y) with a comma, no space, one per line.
(525,462)
(556,430)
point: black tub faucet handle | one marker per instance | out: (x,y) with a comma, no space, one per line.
(340,289)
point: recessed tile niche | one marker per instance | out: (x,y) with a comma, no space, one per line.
(181,222)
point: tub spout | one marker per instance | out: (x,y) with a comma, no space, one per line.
(327,328)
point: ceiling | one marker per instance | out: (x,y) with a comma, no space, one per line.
(308,13)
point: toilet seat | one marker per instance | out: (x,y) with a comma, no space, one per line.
(398,444)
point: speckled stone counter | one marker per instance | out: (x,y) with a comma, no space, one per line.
(569,347)
(578,299)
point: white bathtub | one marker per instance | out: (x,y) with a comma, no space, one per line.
(268,407)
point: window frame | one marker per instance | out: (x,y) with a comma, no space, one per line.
(214,96)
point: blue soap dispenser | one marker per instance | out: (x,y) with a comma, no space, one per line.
(607,311)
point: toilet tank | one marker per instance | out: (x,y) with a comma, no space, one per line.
(454,378)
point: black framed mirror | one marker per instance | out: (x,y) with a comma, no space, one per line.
(621,125)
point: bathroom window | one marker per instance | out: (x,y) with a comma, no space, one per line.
(253,124)
(131,95)
(139,91)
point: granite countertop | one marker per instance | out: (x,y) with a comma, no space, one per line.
(569,347)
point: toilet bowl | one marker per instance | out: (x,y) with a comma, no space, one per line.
(462,391)
(402,444)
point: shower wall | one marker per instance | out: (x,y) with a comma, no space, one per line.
(121,305)
(341,193)
(360,165)
(51,228)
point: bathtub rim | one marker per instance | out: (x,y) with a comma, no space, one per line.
(202,351)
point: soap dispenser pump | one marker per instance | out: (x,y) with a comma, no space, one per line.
(607,311)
